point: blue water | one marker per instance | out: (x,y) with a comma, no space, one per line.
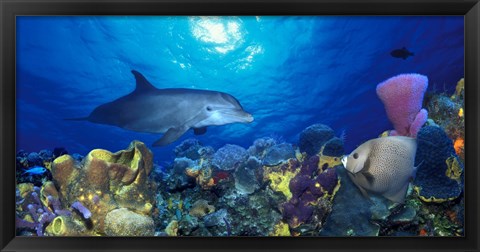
(289,72)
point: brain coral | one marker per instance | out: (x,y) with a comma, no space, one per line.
(278,153)
(439,177)
(314,137)
(229,157)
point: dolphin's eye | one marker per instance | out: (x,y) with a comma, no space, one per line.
(209,108)
(355,155)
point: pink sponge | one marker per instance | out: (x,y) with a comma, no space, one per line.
(402,96)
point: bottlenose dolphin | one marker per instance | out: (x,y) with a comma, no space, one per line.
(172,111)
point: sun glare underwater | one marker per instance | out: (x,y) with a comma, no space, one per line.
(240,126)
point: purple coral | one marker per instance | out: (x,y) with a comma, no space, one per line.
(402,96)
(328,180)
(229,157)
(41,215)
(307,188)
(82,209)
(296,214)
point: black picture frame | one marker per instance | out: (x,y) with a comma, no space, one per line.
(11,8)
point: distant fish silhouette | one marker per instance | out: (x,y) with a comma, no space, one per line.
(401,53)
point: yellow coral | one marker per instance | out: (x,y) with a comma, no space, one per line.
(385,133)
(454,169)
(281,229)
(299,156)
(147,209)
(430,199)
(329,160)
(48,189)
(47,165)
(280,181)
(204,179)
(25,189)
(172,228)
(28,218)
(459,88)
(192,172)
(64,226)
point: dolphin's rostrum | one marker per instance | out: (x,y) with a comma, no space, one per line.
(172,111)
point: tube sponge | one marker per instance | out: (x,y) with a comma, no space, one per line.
(402,96)
(64,226)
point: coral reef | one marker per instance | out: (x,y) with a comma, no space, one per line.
(31,213)
(271,189)
(448,113)
(106,182)
(402,96)
(39,210)
(439,176)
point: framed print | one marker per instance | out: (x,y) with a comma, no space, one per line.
(271,125)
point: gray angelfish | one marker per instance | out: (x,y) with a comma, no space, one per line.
(172,111)
(383,166)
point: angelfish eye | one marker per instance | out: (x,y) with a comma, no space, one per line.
(209,108)
(355,155)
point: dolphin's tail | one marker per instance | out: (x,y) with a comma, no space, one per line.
(76,119)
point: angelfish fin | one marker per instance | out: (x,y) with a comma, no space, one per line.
(171,135)
(200,131)
(415,169)
(369,177)
(397,196)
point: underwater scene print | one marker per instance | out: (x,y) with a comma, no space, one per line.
(240,126)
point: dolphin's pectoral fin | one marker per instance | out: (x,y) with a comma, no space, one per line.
(171,135)
(200,131)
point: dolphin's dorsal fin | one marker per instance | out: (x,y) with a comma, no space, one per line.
(143,85)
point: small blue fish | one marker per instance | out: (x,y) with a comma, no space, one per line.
(37,170)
